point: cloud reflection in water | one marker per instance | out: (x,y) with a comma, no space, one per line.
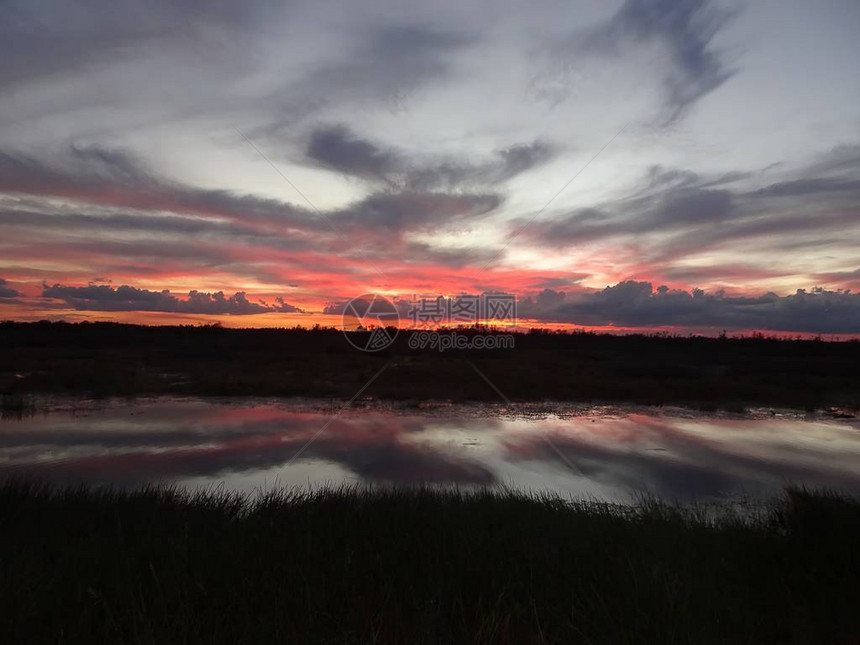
(247,444)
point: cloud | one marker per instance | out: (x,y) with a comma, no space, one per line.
(98,221)
(262,63)
(377,311)
(118,218)
(381,64)
(7,292)
(673,460)
(46,41)
(420,253)
(394,212)
(390,62)
(674,209)
(336,147)
(506,164)
(677,213)
(847,279)
(241,441)
(685,28)
(804,187)
(112,177)
(638,304)
(115,178)
(841,159)
(127,298)
(559,282)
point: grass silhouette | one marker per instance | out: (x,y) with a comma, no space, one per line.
(421,565)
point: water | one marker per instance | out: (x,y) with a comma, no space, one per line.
(608,453)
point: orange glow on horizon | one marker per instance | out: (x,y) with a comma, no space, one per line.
(277,320)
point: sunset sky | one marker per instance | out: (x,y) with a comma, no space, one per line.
(642,164)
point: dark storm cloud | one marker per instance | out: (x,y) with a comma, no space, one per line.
(686,28)
(127,298)
(638,304)
(339,149)
(7,292)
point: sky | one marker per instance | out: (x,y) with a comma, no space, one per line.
(635,164)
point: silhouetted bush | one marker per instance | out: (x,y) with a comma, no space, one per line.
(109,359)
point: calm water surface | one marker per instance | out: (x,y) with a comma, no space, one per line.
(610,453)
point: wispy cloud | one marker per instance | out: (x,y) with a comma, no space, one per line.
(7,292)
(339,149)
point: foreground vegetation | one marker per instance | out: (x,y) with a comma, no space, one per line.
(109,359)
(421,566)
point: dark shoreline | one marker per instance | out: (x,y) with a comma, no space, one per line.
(421,565)
(28,405)
(708,374)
